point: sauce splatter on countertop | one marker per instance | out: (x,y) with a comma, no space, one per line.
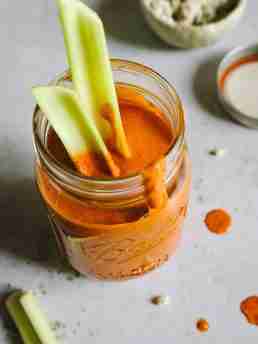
(202,325)
(249,307)
(218,221)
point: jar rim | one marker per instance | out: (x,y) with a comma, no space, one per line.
(68,175)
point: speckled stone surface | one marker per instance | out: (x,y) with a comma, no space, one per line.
(210,275)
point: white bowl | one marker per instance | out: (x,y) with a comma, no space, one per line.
(229,59)
(190,36)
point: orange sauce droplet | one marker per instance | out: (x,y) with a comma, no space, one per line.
(218,221)
(202,325)
(249,307)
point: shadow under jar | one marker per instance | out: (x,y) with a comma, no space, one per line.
(105,227)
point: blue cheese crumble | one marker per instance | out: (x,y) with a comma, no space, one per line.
(191,12)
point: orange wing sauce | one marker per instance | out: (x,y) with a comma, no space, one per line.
(90,164)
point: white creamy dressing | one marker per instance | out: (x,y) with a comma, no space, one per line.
(241,88)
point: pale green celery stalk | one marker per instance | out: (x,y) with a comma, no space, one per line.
(91,69)
(37,319)
(77,132)
(21,320)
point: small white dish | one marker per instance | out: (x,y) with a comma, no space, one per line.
(191,36)
(230,59)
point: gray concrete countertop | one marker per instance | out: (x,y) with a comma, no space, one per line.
(210,275)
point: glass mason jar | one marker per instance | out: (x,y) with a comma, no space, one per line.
(104,226)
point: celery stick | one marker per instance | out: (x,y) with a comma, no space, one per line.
(91,68)
(61,108)
(21,320)
(77,131)
(37,319)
